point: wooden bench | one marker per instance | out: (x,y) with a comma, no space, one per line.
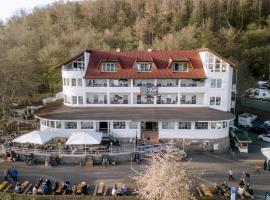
(7,188)
(199,191)
(206,190)
(27,189)
(3,185)
(100,189)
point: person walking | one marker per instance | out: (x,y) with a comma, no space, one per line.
(231,175)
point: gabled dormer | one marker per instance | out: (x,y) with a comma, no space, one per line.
(145,64)
(109,65)
(179,64)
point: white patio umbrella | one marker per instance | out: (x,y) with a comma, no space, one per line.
(83,137)
(34,137)
(266,152)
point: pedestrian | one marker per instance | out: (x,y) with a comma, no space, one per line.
(231,175)
(247,178)
(9,172)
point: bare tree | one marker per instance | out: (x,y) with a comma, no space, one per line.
(166,178)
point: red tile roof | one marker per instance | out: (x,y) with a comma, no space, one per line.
(160,59)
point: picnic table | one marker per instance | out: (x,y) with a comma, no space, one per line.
(3,185)
(206,190)
(100,189)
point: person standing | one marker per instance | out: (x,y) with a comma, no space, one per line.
(5,175)
(231,175)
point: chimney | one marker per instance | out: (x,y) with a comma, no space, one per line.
(118,50)
(149,50)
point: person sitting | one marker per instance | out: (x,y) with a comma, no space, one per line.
(241,192)
(242,183)
(45,189)
(64,187)
(248,192)
(14,175)
(40,182)
(35,190)
(84,189)
(74,188)
(249,189)
(18,188)
(48,183)
(55,186)
(123,190)
(217,189)
(114,190)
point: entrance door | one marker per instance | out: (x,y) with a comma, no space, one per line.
(103,127)
(149,132)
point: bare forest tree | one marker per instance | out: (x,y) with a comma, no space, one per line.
(166,177)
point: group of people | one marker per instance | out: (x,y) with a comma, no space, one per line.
(122,191)
(244,187)
(11,173)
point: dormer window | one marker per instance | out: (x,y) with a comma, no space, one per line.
(180,66)
(109,67)
(144,67)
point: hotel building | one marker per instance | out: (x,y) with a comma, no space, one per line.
(186,96)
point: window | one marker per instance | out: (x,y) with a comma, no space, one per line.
(64,81)
(213,125)
(219,125)
(87,125)
(70,125)
(53,124)
(109,67)
(67,81)
(144,67)
(168,125)
(218,65)
(223,67)
(73,82)
(80,99)
(58,124)
(74,99)
(201,125)
(193,99)
(80,82)
(215,101)
(133,125)
(184,125)
(183,99)
(180,67)
(225,124)
(216,83)
(119,125)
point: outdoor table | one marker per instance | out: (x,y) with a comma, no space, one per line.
(206,190)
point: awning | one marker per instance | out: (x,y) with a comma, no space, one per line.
(266,152)
(85,138)
(34,137)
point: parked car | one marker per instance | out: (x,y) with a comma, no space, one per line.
(267,123)
(260,129)
(264,137)
(107,140)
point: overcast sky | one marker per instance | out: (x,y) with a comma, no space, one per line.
(9,7)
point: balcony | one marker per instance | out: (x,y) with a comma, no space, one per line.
(96,98)
(167,83)
(119,98)
(167,99)
(144,82)
(74,66)
(142,99)
(120,83)
(96,83)
(191,99)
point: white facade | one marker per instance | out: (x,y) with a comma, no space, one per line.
(215,91)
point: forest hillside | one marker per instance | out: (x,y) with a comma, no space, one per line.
(33,44)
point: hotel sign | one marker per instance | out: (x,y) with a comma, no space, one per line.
(149,91)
